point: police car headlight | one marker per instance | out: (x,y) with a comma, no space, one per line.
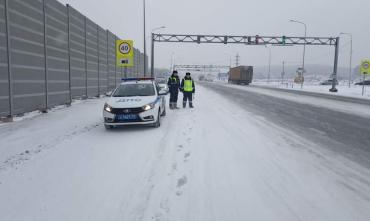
(107,108)
(149,106)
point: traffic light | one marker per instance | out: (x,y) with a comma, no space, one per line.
(283,40)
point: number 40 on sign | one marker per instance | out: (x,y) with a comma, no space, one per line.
(125,53)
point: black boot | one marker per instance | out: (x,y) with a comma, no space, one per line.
(191,105)
(183,104)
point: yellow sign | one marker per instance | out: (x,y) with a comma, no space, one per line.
(365,67)
(125,53)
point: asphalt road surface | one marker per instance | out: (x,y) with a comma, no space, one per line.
(343,133)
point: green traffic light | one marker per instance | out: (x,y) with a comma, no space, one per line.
(283,40)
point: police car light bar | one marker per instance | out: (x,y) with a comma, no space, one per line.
(137,79)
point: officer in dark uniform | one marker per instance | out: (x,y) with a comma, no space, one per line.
(188,89)
(174,86)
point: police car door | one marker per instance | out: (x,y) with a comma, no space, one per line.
(162,97)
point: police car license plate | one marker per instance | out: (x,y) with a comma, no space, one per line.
(127,117)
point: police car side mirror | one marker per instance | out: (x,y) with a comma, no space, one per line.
(163,92)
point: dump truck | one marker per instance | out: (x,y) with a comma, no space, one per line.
(241,75)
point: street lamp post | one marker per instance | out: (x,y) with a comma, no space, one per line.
(283,73)
(158,28)
(152,53)
(144,39)
(172,61)
(350,59)
(304,48)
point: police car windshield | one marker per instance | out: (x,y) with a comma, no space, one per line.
(161,81)
(131,90)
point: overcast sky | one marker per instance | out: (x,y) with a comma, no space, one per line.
(237,17)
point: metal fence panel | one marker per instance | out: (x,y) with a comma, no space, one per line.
(111,61)
(103,61)
(119,70)
(27,63)
(92,58)
(133,69)
(130,70)
(50,54)
(141,62)
(4,73)
(135,73)
(57,53)
(77,52)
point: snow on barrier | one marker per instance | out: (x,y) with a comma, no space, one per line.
(51,53)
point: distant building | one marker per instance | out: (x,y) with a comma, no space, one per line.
(223,76)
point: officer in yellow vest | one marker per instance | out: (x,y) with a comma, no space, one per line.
(188,89)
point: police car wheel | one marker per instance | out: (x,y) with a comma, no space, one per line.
(158,122)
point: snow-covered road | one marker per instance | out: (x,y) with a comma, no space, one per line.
(215,162)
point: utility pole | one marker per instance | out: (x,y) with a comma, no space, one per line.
(268,76)
(237,60)
(283,73)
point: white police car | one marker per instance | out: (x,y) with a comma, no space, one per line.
(135,101)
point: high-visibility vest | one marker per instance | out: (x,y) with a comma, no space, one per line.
(173,80)
(188,85)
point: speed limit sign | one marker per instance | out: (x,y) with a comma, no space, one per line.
(125,53)
(365,67)
(124,48)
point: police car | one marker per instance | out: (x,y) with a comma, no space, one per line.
(136,101)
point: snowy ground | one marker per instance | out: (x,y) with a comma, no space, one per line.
(343,89)
(216,162)
(342,106)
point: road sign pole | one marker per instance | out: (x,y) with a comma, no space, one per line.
(364,69)
(363,85)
